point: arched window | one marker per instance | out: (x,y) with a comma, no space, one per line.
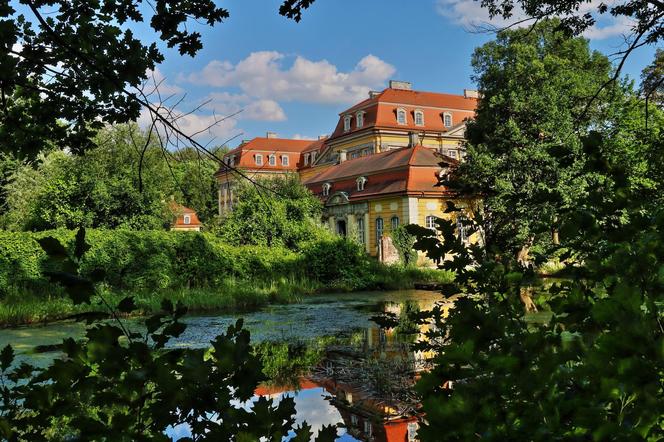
(306,159)
(359,119)
(326,189)
(430,222)
(447,119)
(361,181)
(259,159)
(347,119)
(272,160)
(379,229)
(284,160)
(187,219)
(395,222)
(419,118)
(401,116)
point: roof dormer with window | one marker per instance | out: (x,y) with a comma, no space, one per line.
(361,181)
(347,120)
(326,189)
(359,119)
(419,117)
(401,116)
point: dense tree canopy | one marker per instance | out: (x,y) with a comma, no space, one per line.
(525,153)
(68,67)
(126,181)
(591,367)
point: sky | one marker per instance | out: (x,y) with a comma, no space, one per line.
(295,78)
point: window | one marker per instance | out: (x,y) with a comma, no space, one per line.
(326,189)
(419,118)
(401,116)
(306,159)
(367,427)
(361,181)
(452,153)
(230,161)
(379,229)
(359,119)
(360,230)
(313,157)
(447,119)
(259,159)
(187,219)
(347,123)
(273,160)
(395,222)
(355,155)
(461,223)
(412,431)
(354,420)
(430,222)
(284,160)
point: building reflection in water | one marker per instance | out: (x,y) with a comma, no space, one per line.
(370,382)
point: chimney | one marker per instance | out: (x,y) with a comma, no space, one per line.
(413,139)
(373,94)
(401,85)
(470,93)
(271,135)
(342,156)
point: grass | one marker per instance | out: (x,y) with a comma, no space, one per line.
(30,306)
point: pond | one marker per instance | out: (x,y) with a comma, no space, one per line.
(325,396)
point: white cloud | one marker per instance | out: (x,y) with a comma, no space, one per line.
(302,137)
(263,75)
(199,126)
(471,15)
(224,103)
(157,82)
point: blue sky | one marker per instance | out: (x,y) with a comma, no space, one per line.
(294,78)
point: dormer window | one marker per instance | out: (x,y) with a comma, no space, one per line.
(284,160)
(359,119)
(447,119)
(230,161)
(313,157)
(347,119)
(259,159)
(306,159)
(272,159)
(361,181)
(401,116)
(419,118)
(326,189)
(187,219)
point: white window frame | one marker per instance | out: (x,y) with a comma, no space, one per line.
(367,427)
(402,111)
(430,222)
(361,181)
(347,123)
(306,159)
(313,157)
(187,219)
(419,113)
(380,227)
(394,222)
(258,159)
(326,189)
(285,160)
(452,153)
(359,119)
(447,115)
(272,160)
(354,421)
(361,230)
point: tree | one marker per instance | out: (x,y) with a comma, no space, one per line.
(125,181)
(593,369)
(67,68)
(652,79)
(280,211)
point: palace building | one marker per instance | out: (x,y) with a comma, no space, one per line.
(379,168)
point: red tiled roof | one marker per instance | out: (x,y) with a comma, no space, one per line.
(381,111)
(181,211)
(405,170)
(246,154)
